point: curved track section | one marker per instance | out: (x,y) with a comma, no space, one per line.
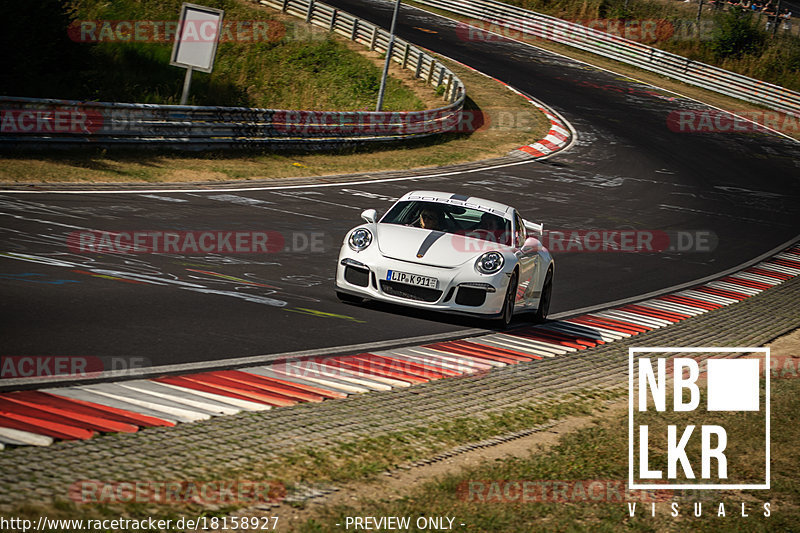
(628,169)
(69,413)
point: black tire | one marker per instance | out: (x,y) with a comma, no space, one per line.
(508,302)
(544,300)
(349,298)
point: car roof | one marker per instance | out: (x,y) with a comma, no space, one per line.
(461,200)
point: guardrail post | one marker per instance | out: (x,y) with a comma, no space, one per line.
(333,19)
(354,34)
(419,66)
(430,72)
(441,76)
(457,94)
(373,38)
(448,86)
(406,50)
(310,12)
(285,5)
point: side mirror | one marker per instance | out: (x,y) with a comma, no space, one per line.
(532,244)
(370,215)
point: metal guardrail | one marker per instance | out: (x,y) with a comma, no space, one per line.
(49,123)
(549,28)
(376,38)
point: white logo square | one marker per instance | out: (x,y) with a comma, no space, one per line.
(733,384)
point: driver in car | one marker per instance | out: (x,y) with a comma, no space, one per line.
(493,227)
(433,219)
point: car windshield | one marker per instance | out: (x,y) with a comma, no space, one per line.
(451,219)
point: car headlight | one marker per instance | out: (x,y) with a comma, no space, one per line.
(490,263)
(360,239)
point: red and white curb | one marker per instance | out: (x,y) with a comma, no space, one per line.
(560,135)
(558,138)
(80,412)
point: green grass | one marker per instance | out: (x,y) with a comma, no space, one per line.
(600,453)
(307,69)
(364,458)
(152,166)
(319,71)
(295,67)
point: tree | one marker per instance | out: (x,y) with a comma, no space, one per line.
(735,34)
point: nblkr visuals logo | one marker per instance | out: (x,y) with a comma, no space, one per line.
(710,387)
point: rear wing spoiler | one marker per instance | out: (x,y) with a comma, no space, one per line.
(533,227)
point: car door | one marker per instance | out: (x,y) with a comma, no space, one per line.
(527,259)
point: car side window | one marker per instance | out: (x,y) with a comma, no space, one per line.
(519,232)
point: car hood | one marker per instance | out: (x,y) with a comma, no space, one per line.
(426,247)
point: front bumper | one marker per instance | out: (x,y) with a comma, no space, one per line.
(460,290)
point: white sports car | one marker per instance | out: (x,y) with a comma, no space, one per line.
(448,252)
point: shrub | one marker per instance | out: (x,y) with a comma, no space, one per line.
(736,34)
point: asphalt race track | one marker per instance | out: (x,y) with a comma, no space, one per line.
(627,170)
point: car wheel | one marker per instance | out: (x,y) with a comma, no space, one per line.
(508,302)
(349,298)
(544,299)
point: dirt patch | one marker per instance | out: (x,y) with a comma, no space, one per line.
(400,483)
(187,175)
(786,346)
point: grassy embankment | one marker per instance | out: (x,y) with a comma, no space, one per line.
(297,67)
(282,64)
(600,452)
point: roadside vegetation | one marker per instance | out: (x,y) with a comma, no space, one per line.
(79,49)
(734,38)
(600,452)
(730,40)
(297,67)
(499,121)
